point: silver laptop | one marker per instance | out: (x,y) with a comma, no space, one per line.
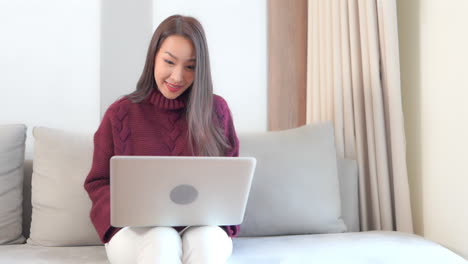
(179,191)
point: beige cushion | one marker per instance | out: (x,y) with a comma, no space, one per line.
(12,140)
(61,206)
(295,189)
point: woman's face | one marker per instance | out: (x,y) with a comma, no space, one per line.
(174,66)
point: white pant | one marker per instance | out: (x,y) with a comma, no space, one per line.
(151,245)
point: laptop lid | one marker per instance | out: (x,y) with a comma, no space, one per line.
(179,191)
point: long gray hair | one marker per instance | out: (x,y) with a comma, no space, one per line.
(205,134)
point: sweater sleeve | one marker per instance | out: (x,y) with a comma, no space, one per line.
(227,124)
(97,183)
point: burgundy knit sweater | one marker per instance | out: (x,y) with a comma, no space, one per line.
(156,126)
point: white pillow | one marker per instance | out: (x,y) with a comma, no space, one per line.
(295,189)
(60,205)
(12,140)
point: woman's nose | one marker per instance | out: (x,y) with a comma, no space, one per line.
(177,75)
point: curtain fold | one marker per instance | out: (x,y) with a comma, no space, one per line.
(353,79)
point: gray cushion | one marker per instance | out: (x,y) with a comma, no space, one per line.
(365,247)
(295,189)
(12,143)
(383,247)
(348,176)
(26,254)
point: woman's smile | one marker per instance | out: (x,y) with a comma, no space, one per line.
(172,87)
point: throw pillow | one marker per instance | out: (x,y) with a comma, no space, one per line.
(295,189)
(12,143)
(60,205)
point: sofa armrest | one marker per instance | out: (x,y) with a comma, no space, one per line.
(348,177)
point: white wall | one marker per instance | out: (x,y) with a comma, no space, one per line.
(49,64)
(434,56)
(237,40)
(126,30)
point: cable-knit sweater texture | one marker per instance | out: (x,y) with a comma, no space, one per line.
(157,126)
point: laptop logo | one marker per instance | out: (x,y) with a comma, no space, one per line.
(184,194)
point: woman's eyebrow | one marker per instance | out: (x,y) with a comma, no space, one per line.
(172,55)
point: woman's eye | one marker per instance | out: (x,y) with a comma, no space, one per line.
(191,67)
(169,62)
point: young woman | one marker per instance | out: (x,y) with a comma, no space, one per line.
(172,112)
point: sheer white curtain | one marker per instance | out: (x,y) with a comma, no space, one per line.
(353,79)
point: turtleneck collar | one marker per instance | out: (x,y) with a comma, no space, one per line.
(160,101)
